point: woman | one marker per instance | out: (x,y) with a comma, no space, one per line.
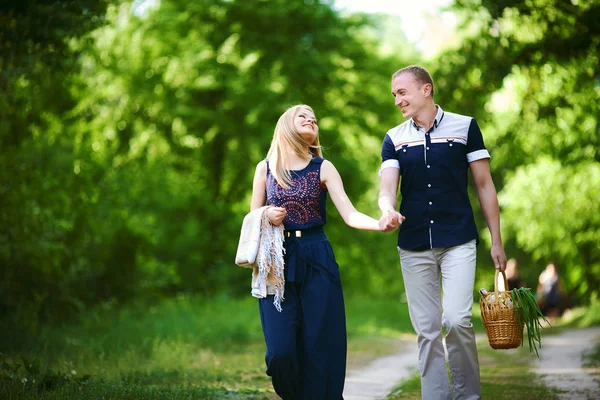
(550,292)
(513,277)
(306,341)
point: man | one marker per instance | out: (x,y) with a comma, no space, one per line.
(432,151)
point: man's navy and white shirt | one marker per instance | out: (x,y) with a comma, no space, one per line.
(433,167)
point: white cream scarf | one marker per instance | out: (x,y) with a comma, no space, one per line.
(261,248)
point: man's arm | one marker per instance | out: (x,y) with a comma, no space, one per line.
(488,198)
(388,190)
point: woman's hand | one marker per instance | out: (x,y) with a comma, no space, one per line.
(276,214)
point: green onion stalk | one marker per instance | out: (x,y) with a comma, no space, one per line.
(529,314)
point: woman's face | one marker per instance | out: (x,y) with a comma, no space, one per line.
(306,125)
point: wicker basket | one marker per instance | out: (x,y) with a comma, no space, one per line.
(500,317)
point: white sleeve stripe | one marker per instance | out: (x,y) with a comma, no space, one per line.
(389,164)
(477,155)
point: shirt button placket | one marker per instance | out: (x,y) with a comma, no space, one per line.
(429,192)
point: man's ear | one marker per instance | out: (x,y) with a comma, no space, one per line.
(427,89)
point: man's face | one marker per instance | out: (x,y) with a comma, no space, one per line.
(409,95)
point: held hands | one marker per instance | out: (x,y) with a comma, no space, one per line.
(276,214)
(498,257)
(391,220)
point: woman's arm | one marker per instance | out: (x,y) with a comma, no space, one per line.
(353,218)
(259,186)
(259,195)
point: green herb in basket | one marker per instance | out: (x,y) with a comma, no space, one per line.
(529,315)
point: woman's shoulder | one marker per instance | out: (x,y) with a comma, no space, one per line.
(327,168)
(318,160)
(325,163)
(262,166)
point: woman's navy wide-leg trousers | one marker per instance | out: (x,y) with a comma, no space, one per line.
(306,342)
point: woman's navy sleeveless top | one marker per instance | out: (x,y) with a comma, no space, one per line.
(305,200)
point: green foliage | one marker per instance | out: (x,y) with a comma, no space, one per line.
(130,136)
(530,316)
(41,207)
(583,317)
(530,73)
(592,359)
(564,225)
(133,150)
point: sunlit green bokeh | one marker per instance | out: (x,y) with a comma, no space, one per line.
(129,134)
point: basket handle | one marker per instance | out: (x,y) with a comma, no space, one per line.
(498,272)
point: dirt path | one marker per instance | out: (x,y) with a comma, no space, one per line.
(560,364)
(377,379)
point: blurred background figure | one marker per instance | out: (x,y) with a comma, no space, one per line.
(512,274)
(551,294)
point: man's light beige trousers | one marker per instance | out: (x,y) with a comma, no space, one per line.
(430,309)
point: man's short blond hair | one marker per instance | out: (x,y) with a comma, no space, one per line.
(420,74)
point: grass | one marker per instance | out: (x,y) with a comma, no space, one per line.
(182,348)
(195,348)
(592,359)
(582,317)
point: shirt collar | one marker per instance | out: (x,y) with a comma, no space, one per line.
(438,119)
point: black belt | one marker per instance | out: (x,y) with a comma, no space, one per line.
(288,234)
(310,232)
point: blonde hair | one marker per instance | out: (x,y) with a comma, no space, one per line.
(285,138)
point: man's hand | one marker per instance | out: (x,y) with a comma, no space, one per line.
(390,220)
(498,257)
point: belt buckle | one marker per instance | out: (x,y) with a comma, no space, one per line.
(298,233)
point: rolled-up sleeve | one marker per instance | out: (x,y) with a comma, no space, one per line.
(475,147)
(388,155)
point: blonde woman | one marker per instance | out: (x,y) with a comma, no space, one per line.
(306,341)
